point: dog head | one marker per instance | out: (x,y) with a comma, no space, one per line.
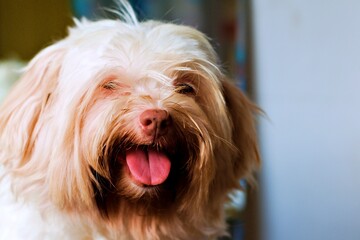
(123,116)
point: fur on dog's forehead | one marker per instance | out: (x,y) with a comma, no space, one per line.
(148,57)
(137,50)
(151,35)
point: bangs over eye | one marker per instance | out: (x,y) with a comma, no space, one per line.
(185,84)
(185,88)
(112,85)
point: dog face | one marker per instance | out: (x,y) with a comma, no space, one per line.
(129,119)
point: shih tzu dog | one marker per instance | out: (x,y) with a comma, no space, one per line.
(123,130)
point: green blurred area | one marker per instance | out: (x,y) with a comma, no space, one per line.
(30,25)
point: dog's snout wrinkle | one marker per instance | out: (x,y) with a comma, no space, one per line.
(155,122)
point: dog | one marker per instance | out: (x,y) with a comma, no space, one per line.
(123,130)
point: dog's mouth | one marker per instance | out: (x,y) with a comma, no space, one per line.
(147,165)
(150,176)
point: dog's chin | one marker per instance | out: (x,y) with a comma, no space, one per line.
(149,178)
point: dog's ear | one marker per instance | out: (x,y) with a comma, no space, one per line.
(20,111)
(243,113)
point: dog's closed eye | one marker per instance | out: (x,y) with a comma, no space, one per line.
(185,88)
(111,85)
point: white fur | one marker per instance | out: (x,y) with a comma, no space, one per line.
(24,220)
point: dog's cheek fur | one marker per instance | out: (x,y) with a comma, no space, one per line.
(243,113)
(21,110)
(29,127)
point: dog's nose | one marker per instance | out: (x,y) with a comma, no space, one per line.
(155,122)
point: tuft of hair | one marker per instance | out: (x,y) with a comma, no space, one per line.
(125,12)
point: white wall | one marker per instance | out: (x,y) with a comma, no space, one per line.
(307,60)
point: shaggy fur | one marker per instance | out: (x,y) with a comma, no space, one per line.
(67,128)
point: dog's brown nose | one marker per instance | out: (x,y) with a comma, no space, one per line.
(155,122)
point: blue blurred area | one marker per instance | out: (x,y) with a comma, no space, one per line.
(308,83)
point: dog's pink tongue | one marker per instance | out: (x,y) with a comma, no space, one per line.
(148,167)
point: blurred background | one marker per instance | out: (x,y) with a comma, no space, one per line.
(298,60)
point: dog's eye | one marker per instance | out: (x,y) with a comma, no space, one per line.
(185,88)
(110,85)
